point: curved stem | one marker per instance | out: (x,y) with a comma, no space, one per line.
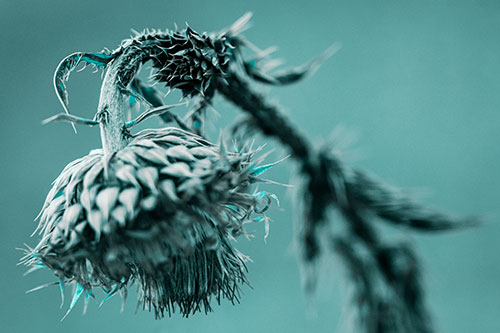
(271,122)
(111,117)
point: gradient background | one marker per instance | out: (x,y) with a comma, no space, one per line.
(417,81)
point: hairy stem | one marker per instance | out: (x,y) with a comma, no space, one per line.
(267,117)
(111,117)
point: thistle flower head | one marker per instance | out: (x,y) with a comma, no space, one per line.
(158,208)
(160,212)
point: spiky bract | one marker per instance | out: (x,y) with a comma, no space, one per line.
(161,211)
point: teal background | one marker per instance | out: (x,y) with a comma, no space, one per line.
(416,81)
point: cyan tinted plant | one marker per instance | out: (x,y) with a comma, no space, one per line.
(160,207)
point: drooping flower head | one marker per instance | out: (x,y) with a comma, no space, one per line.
(160,212)
(158,208)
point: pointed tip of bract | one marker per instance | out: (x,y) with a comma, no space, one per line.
(241,25)
(76,296)
(45,285)
(256,171)
(61,287)
(137,33)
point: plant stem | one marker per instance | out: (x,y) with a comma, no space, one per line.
(114,134)
(267,117)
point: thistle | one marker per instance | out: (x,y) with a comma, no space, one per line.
(160,207)
(160,211)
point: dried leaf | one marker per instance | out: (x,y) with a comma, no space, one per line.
(70,217)
(119,214)
(127,174)
(149,203)
(129,198)
(106,200)
(87,198)
(181,153)
(96,221)
(156,156)
(149,177)
(76,297)
(168,188)
(92,174)
(178,170)
(202,152)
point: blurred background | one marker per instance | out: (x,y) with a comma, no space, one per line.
(416,82)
